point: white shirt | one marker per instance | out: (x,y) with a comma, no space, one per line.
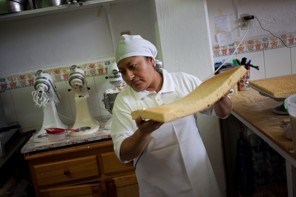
(175,162)
(175,86)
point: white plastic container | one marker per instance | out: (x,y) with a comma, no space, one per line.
(290,105)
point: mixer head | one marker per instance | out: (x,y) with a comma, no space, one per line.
(44,89)
(77,81)
(42,81)
(114,75)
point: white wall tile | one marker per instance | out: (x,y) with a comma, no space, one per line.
(293,59)
(8,107)
(277,62)
(28,114)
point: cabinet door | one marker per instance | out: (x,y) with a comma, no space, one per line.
(111,164)
(70,191)
(123,186)
(66,171)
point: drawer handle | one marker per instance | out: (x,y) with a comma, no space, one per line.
(95,189)
(67,173)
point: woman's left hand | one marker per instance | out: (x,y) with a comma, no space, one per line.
(223,106)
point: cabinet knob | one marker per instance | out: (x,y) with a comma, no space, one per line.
(95,189)
(67,172)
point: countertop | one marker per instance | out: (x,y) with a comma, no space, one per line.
(46,144)
(256,111)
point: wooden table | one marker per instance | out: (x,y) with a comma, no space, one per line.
(256,112)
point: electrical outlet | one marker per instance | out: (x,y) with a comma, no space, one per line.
(243,24)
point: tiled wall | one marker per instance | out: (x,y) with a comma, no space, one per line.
(272,57)
(268,52)
(255,45)
(19,106)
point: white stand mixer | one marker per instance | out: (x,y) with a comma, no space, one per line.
(84,122)
(116,80)
(45,96)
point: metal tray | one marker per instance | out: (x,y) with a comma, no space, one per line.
(263,93)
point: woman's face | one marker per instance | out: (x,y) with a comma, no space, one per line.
(139,73)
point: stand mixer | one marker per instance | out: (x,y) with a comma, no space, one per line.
(83,117)
(116,80)
(45,96)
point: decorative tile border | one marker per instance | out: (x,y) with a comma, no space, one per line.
(254,45)
(58,74)
(101,67)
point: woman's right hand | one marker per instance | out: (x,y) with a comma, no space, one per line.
(147,126)
(135,144)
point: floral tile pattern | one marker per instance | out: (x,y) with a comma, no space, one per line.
(58,74)
(101,67)
(257,44)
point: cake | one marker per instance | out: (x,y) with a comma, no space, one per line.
(199,99)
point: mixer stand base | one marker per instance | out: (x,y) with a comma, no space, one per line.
(85,132)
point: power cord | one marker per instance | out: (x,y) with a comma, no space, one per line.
(247,18)
(268,31)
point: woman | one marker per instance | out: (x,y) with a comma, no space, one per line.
(169,158)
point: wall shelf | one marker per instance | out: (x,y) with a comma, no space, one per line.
(53,10)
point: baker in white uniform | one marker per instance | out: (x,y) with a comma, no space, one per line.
(170,159)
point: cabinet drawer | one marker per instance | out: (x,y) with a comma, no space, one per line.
(111,164)
(79,190)
(67,170)
(123,186)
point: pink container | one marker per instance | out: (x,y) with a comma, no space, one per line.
(56,134)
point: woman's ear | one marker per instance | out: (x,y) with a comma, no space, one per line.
(152,61)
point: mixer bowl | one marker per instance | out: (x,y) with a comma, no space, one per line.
(109,99)
(17,5)
(48,3)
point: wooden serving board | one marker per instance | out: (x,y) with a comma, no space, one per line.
(276,87)
(199,99)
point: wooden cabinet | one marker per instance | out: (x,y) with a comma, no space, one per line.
(78,190)
(90,169)
(66,171)
(120,186)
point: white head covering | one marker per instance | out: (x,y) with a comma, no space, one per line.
(134,45)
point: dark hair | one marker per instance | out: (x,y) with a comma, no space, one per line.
(158,64)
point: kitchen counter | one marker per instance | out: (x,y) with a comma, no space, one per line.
(256,112)
(46,144)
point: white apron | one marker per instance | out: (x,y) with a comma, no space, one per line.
(175,163)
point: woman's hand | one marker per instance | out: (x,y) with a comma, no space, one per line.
(134,145)
(223,106)
(147,126)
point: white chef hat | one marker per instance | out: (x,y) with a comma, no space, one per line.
(134,45)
